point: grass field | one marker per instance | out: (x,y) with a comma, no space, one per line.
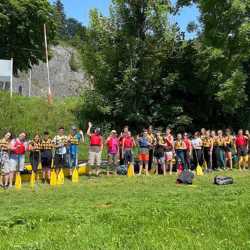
(128,213)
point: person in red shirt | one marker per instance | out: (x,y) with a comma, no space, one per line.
(241,143)
(128,143)
(95,148)
(188,151)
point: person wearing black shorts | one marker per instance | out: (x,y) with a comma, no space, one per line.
(35,147)
(46,155)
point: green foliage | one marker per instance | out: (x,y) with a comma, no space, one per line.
(73,63)
(117,213)
(130,57)
(21,29)
(35,115)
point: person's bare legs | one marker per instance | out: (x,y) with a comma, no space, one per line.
(230,160)
(11,176)
(170,167)
(141,167)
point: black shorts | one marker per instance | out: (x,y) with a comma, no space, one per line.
(34,160)
(46,159)
(242,151)
(228,149)
(60,161)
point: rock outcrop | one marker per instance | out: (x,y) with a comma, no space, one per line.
(67,77)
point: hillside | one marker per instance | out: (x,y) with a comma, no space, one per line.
(67,79)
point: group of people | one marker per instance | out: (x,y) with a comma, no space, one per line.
(62,149)
(211,149)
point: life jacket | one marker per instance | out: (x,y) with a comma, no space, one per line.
(74,139)
(95,140)
(168,144)
(241,141)
(128,142)
(143,142)
(4,145)
(113,145)
(19,148)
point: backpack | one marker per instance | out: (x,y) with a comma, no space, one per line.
(223,180)
(186,177)
(122,170)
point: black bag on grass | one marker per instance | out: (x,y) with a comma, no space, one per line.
(122,170)
(186,177)
(223,180)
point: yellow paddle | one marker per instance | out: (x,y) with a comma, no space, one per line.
(130,170)
(18,180)
(75,176)
(32,179)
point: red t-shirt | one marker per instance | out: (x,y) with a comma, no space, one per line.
(241,141)
(188,144)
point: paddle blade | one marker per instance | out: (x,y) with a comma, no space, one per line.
(75,176)
(53,178)
(60,179)
(32,179)
(18,181)
(130,170)
(199,171)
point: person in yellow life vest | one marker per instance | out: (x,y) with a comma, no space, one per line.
(180,148)
(213,136)
(219,145)
(203,133)
(207,145)
(169,150)
(47,147)
(4,160)
(74,139)
(159,153)
(247,134)
(229,147)
(35,153)
(151,140)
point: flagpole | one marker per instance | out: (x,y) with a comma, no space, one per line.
(11,79)
(29,82)
(47,64)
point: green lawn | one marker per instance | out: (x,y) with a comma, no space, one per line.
(128,213)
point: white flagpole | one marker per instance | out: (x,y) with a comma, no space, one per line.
(29,82)
(11,79)
(47,61)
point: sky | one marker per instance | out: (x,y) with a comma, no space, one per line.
(79,9)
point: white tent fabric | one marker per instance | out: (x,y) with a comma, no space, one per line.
(6,71)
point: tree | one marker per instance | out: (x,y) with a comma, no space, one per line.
(21,29)
(131,57)
(225,42)
(60,19)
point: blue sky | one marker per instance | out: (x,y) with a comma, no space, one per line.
(79,9)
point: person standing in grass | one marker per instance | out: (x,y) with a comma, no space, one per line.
(207,145)
(241,143)
(17,156)
(213,136)
(197,149)
(229,147)
(47,147)
(144,146)
(128,143)
(35,153)
(188,151)
(95,148)
(159,153)
(60,141)
(180,148)
(112,143)
(169,150)
(121,137)
(4,160)
(219,145)
(151,139)
(74,139)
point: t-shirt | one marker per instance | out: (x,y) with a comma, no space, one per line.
(197,143)
(188,144)
(60,141)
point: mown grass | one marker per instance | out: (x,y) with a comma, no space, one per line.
(128,213)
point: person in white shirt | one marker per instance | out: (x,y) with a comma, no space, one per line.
(197,149)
